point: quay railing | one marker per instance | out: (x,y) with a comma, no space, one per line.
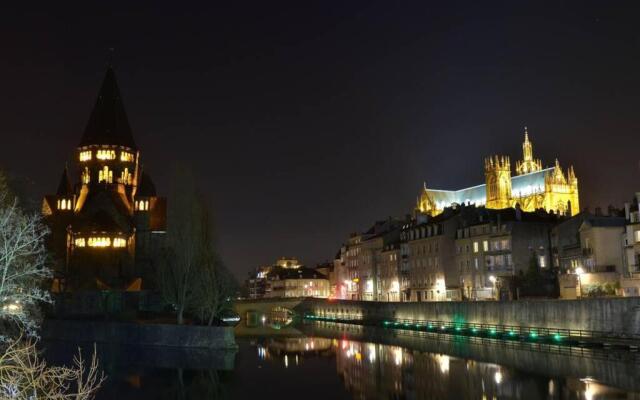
(497,331)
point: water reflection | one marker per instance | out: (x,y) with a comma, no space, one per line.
(334,361)
(378,371)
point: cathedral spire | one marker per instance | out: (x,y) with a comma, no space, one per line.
(527,148)
(108,123)
(528,163)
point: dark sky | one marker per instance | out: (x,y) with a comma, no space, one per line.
(307,121)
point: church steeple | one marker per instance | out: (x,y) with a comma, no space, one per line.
(527,149)
(64,187)
(528,164)
(108,123)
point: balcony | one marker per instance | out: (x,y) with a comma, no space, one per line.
(500,268)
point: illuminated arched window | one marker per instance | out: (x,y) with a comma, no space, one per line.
(126,156)
(85,155)
(142,205)
(125,177)
(86,176)
(106,154)
(105,175)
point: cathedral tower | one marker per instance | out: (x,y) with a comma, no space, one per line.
(528,164)
(497,171)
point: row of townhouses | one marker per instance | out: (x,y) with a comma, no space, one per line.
(470,252)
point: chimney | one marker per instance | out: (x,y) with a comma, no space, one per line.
(638,197)
(627,211)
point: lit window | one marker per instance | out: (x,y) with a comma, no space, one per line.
(106,154)
(485,245)
(64,204)
(80,242)
(126,156)
(637,233)
(86,176)
(476,247)
(125,177)
(142,205)
(85,155)
(99,242)
(542,261)
(105,175)
(119,242)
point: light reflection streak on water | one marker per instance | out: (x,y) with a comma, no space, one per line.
(400,370)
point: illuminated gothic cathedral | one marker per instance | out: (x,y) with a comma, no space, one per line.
(106,224)
(533,187)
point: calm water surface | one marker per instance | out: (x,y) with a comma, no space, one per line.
(334,361)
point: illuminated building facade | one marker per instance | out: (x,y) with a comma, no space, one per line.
(533,187)
(492,247)
(287,278)
(367,266)
(631,248)
(107,223)
(464,253)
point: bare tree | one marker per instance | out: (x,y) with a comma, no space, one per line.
(192,275)
(213,290)
(23,272)
(24,375)
(23,269)
(181,261)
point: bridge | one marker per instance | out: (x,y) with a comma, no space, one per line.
(273,312)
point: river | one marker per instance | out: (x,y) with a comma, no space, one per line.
(322,360)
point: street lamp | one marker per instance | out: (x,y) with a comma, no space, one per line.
(579,272)
(493,280)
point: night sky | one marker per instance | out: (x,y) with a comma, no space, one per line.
(305,122)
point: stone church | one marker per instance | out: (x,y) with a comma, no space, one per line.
(533,187)
(108,222)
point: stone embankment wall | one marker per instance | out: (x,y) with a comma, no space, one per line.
(610,315)
(533,358)
(190,336)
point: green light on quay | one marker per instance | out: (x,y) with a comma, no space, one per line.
(533,335)
(492,331)
(557,337)
(474,330)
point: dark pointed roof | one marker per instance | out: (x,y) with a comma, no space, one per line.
(146,188)
(64,187)
(108,123)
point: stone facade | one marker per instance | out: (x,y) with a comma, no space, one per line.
(464,252)
(533,188)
